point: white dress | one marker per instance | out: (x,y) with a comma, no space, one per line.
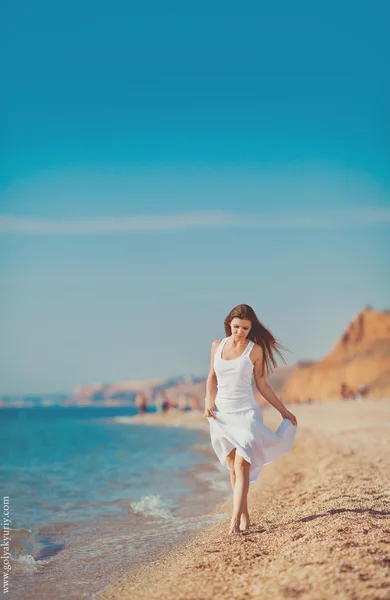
(239,420)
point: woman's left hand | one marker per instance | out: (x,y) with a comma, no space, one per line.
(286,414)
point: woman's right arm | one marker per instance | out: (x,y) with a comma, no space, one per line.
(211,383)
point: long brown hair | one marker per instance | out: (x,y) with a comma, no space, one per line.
(258,334)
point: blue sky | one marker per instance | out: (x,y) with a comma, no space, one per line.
(160,167)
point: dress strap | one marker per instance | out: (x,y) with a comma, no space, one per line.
(248,349)
(221,345)
(224,340)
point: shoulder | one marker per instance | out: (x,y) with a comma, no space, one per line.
(256,352)
(257,348)
(215,345)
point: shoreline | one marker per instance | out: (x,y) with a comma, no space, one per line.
(192,419)
(319,518)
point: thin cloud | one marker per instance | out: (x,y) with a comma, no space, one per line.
(14,224)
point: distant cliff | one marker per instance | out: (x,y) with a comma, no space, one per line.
(112,394)
(361,355)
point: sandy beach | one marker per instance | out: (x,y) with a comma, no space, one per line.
(320,518)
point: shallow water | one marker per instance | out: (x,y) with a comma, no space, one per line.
(91,497)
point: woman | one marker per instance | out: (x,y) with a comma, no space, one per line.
(238,435)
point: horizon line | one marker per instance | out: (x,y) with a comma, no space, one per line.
(366,215)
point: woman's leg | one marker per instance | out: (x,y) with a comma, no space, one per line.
(240,494)
(245,520)
(230,461)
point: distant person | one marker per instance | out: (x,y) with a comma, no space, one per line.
(165,402)
(173,405)
(241,441)
(344,391)
(141,403)
(363,389)
(182,402)
(194,403)
(347,393)
(159,402)
(169,404)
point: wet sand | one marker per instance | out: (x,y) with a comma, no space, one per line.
(320,518)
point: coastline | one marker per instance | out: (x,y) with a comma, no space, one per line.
(191,419)
(320,518)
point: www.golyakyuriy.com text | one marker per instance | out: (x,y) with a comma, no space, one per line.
(5,544)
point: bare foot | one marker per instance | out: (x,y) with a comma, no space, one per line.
(234,526)
(245,521)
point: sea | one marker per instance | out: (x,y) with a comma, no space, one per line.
(91,497)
